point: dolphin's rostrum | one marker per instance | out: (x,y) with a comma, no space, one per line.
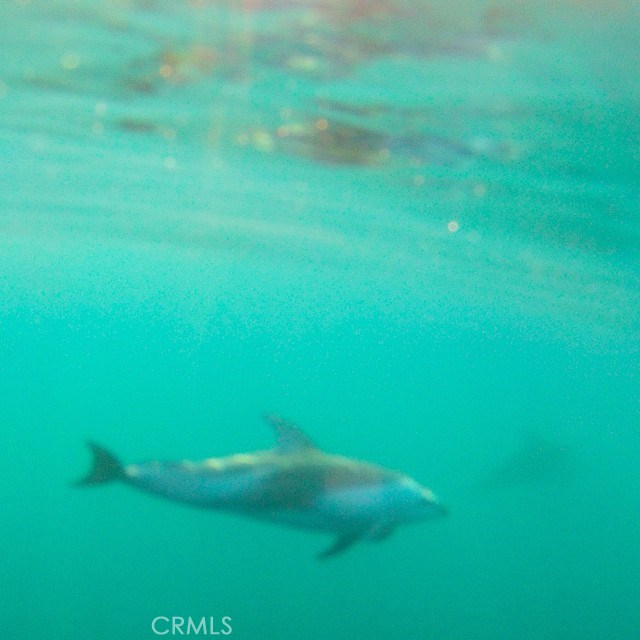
(295,483)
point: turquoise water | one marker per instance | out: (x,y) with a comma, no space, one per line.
(411,229)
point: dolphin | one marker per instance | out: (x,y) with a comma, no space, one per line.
(537,460)
(294,484)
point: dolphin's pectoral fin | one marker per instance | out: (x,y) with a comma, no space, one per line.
(382,532)
(289,489)
(289,437)
(341,544)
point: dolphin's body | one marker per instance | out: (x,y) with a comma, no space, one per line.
(537,460)
(295,484)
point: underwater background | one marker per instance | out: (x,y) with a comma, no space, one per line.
(410,227)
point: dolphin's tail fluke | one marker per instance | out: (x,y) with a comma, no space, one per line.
(106,467)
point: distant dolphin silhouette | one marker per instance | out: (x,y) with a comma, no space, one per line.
(295,484)
(538,459)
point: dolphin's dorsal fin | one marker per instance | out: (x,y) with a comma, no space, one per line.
(288,436)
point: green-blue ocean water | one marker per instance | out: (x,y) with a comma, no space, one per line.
(411,228)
